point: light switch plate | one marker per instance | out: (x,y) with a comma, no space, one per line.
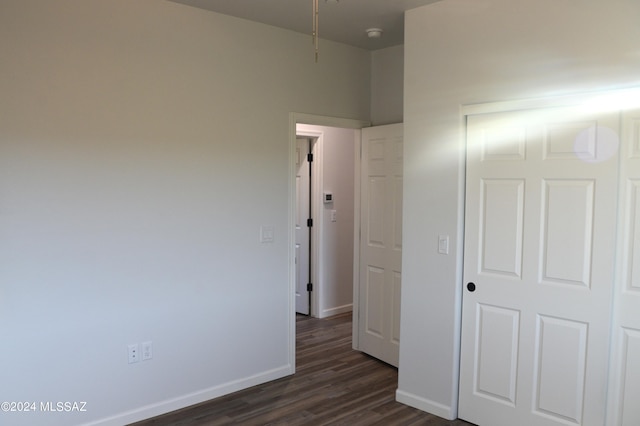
(147,350)
(267,234)
(443,244)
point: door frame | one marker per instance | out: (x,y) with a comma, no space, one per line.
(328,121)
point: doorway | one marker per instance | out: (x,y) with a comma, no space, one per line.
(303,224)
(325,202)
(349,230)
(317,297)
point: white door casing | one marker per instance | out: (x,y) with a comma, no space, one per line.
(302,233)
(540,216)
(380,254)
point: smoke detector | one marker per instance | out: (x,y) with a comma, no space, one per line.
(374,33)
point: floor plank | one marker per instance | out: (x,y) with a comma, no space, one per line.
(333,385)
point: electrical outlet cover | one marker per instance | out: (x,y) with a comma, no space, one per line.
(147,350)
(134,353)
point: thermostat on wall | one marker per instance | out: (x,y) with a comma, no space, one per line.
(327,197)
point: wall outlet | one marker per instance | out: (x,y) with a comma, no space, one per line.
(134,353)
(147,350)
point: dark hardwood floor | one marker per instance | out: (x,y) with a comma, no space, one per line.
(333,385)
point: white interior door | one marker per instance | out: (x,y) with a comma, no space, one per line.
(380,242)
(303,175)
(625,372)
(540,222)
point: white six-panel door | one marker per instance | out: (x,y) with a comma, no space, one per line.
(540,222)
(624,409)
(380,242)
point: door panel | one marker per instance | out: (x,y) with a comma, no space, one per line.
(374,312)
(377,186)
(501,233)
(395,318)
(567,225)
(625,378)
(633,267)
(380,242)
(497,354)
(559,372)
(628,412)
(539,224)
(303,190)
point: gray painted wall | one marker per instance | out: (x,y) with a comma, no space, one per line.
(387,84)
(466,52)
(142,146)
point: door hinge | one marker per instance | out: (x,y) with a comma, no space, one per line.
(309,287)
(309,223)
(310,157)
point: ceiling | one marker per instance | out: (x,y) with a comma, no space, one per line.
(344,21)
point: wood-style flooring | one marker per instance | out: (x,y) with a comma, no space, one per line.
(333,385)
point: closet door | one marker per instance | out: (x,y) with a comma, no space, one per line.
(540,222)
(624,388)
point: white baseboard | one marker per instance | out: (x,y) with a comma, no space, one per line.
(183,401)
(426,405)
(335,311)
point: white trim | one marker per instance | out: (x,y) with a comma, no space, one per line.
(291,241)
(426,405)
(337,310)
(597,101)
(355,314)
(173,404)
(321,120)
(457,327)
(317,230)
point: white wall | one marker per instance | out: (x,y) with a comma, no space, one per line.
(387,83)
(460,52)
(142,145)
(335,156)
